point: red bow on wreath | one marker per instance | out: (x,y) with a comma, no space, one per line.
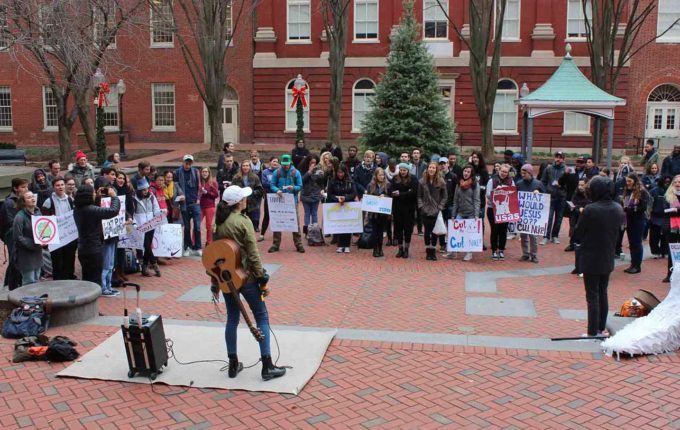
(299,94)
(103,91)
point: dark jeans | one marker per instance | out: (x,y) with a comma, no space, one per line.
(419,221)
(556,214)
(63,262)
(344,240)
(430,238)
(379,222)
(499,232)
(265,217)
(92,266)
(619,242)
(577,257)
(657,240)
(403,226)
(251,292)
(598,302)
(192,212)
(634,230)
(148,250)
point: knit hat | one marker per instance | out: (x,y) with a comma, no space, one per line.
(142,184)
(79,155)
(528,168)
(406,166)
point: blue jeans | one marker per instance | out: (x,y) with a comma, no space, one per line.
(108,257)
(30,276)
(634,230)
(251,292)
(311,212)
(556,213)
(192,212)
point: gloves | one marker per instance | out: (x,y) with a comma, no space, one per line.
(262,281)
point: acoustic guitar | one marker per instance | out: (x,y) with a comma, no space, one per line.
(222,262)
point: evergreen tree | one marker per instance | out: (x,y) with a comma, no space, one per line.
(408,110)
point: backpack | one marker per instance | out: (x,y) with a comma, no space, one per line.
(315,235)
(368,237)
(130,263)
(29,319)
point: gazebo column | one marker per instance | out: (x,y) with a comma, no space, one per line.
(610,142)
(529,137)
(598,142)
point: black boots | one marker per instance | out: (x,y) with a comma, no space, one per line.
(405,250)
(400,253)
(234,366)
(269,371)
(431,254)
(378,250)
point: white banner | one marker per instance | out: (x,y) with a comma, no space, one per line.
(376,204)
(68,231)
(132,240)
(675,253)
(45,230)
(151,224)
(113,227)
(534,209)
(167,241)
(339,219)
(282,212)
(464,235)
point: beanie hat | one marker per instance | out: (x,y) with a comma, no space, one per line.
(406,166)
(79,155)
(528,168)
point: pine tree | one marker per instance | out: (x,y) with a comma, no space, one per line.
(408,110)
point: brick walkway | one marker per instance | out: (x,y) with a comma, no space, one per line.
(372,383)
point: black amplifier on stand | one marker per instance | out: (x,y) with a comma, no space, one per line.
(145,346)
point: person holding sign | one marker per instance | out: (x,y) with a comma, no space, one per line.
(287,179)
(146,208)
(529,184)
(499,230)
(404,200)
(466,200)
(27,254)
(342,190)
(60,204)
(379,186)
(431,201)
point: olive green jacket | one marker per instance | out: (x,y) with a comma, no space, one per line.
(239,228)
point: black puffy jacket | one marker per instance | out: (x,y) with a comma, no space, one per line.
(89,222)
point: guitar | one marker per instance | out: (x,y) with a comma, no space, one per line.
(222,262)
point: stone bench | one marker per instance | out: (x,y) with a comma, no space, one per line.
(71,301)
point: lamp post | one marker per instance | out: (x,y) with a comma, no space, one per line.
(299,89)
(120,87)
(100,90)
(523,92)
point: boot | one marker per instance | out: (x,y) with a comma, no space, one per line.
(400,253)
(304,230)
(428,254)
(235,366)
(269,371)
(380,250)
(405,250)
(375,251)
(433,252)
(145,270)
(157,270)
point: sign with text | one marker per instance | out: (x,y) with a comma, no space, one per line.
(113,227)
(132,239)
(376,204)
(45,229)
(675,253)
(505,204)
(282,212)
(167,241)
(68,231)
(150,224)
(534,209)
(464,235)
(340,219)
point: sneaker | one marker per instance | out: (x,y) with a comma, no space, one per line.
(511,236)
(569,248)
(544,241)
(468,256)
(198,252)
(110,293)
(260,239)
(534,259)
(346,250)
(273,249)
(187,253)
(556,241)
(524,258)
(340,250)
(580,275)
(494,256)
(501,255)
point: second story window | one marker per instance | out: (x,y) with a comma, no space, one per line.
(511,21)
(669,13)
(576,22)
(162,24)
(4,29)
(366,19)
(435,24)
(299,20)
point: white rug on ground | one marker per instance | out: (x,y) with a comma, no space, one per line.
(303,350)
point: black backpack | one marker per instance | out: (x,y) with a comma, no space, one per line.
(368,238)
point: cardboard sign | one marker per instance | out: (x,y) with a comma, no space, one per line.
(68,231)
(506,204)
(167,241)
(340,219)
(113,227)
(150,224)
(282,212)
(376,204)
(534,209)
(45,230)
(464,235)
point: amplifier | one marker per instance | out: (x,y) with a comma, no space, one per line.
(145,346)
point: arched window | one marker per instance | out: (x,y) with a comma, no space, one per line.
(291,115)
(363,92)
(663,112)
(504,108)
(665,93)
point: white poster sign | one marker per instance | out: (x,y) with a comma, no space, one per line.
(534,209)
(376,204)
(113,227)
(675,253)
(68,231)
(45,230)
(282,212)
(133,240)
(464,235)
(167,241)
(150,224)
(339,219)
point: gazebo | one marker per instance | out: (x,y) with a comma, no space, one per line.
(568,90)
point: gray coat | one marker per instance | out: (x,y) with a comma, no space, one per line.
(466,202)
(431,198)
(27,254)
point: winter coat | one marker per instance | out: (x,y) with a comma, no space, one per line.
(362,177)
(338,188)
(298,155)
(55,205)
(146,208)
(281,179)
(80,173)
(266,179)
(568,181)
(550,180)
(671,165)
(451,184)
(530,186)
(352,165)
(650,158)
(407,199)
(418,169)
(649,181)
(190,182)
(658,201)
(431,198)
(41,191)
(89,222)
(635,211)
(255,184)
(466,203)
(598,229)
(9,209)
(312,183)
(224,174)
(27,254)
(129,199)
(207,200)
(377,191)
(482,178)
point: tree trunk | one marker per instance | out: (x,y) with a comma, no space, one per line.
(336,62)
(487,138)
(64,143)
(85,121)
(215,123)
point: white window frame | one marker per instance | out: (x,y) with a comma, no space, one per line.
(366,94)
(450,102)
(98,23)
(504,93)
(42,26)
(664,7)
(518,22)
(566,131)
(229,23)
(306,116)
(153,44)
(433,7)
(111,107)
(46,127)
(6,89)
(4,27)
(579,37)
(375,39)
(163,128)
(290,3)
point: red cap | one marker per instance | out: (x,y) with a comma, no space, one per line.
(79,155)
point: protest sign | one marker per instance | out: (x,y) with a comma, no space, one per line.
(45,230)
(675,253)
(506,204)
(464,235)
(150,224)
(339,219)
(534,209)
(167,241)
(68,231)
(113,227)
(282,212)
(380,205)
(133,240)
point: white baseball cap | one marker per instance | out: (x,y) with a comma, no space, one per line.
(234,194)
(188,157)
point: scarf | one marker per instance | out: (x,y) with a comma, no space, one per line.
(465,183)
(169,190)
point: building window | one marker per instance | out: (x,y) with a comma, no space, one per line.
(504,108)
(366,19)
(162,24)
(511,21)
(663,112)
(5,108)
(291,114)
(104,20)
(111,109)
(4,29)
(446,92)
(47,27)
(435,23)
(363,93)
(163,107)
(229,21)
(669,13)
(50,113)
(576,123)
(299,20)
(576,22)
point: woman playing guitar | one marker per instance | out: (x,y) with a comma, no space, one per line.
(232,224)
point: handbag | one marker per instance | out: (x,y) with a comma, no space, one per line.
(439,226)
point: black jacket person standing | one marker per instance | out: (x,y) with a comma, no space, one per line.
(598,227)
